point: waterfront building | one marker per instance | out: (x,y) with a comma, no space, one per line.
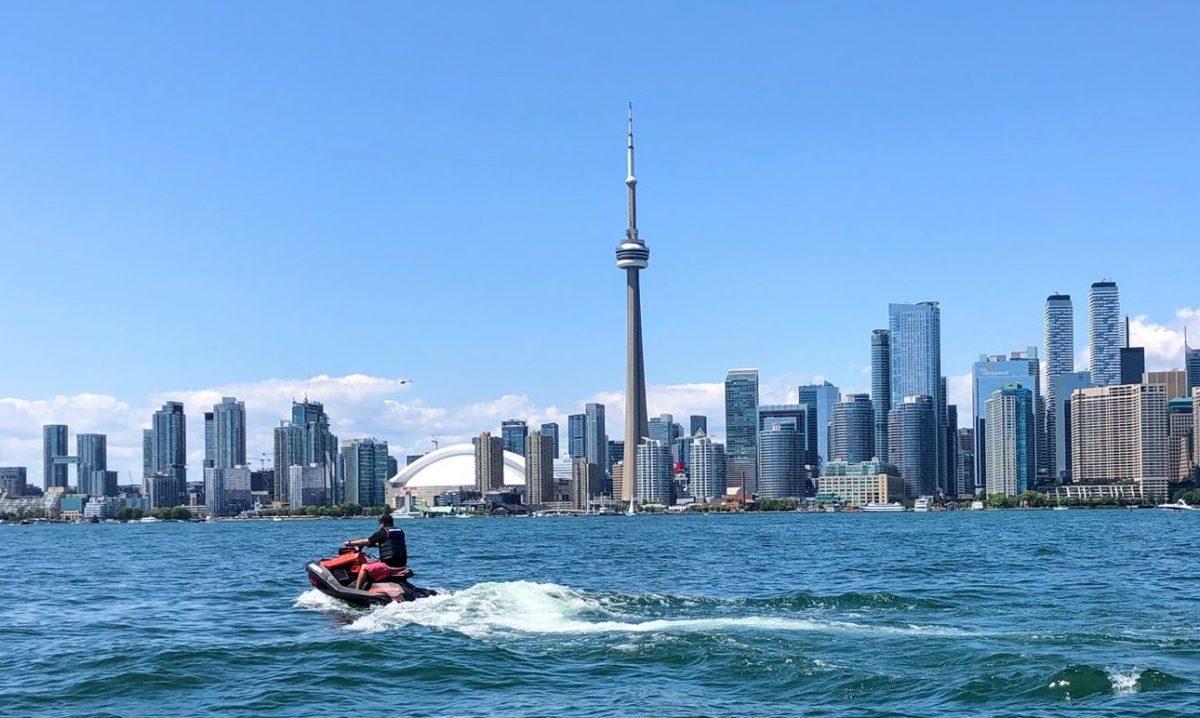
(1119,434)
(289,452)
(822,397)
(852,430)
(577,436)
(697,422)
(596,436)
(916,370)
(1106,333)
(551,429)
(320,444)
(632,256)
(952,455)
(965,444)
(227,490)
(210,441)
(618,482)
(741,427)
(989,375)
(781,457)
(164,491)
(12,481)
(539,469)
(706,472)
(365,472)
(803,418)
(653,473)
(861,483)
(1059,355)
(229,433)
(616,452)
(165,444)
(1196,426)
(92,450)
(1179,439)
(1174,381)
(913,442)
(881,388)
(514,432)
(586,483)
(1067,385)
(307,486)
(489,462)
(54,456)
(1011,440)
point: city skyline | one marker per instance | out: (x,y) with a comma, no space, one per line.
(826,170)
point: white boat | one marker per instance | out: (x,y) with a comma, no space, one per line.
(875,506)
(148,520)
(402,514)
(921,504)
(977,506)
(1176,507)
(1060,507)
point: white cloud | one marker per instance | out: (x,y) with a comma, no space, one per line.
(1164,342)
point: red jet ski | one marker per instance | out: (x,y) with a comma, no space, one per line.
(336,577)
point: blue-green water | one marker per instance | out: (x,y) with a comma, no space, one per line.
(993,613)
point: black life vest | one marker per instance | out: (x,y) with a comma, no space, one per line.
(394,551)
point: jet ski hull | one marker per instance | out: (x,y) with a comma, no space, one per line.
(336,577)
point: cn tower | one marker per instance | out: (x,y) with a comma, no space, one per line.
(633,256)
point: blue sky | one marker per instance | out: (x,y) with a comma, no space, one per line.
(207,197)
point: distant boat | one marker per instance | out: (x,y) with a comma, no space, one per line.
(977,506)
(876,506)
(401,514)
(1177,507)
(921,504)
(1060,507)
(147,520)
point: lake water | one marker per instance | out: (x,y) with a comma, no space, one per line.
(1036,613)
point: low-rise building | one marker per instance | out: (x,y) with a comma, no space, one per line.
(861,483)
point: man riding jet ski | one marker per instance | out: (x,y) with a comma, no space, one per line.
(358,578)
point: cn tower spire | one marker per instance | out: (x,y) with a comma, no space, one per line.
(633,256)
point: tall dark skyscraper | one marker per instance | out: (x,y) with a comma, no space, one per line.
(92,450)
(632,256)
(881,388)
(787,435)
(852,430)
(914,443)
(916,361)
(166,445)
(514,432)
(320,444)
(54,446)
(822,397)
(289,452)
(210,440)
(741,427)
(551,429)
(697,422)
(577,436)
(1059,350)
(597,438)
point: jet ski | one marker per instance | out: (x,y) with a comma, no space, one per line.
(336,577)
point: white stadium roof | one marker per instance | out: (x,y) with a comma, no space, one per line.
(454,466)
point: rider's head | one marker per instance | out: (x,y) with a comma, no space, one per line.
(386,521)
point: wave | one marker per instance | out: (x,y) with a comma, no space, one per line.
(526,607)
(1079,681)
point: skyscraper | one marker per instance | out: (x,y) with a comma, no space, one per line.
(54,452)
(166,442)
(596,437)
(653,473)
(916,369)
(539,469)
(741,427)
(489,462)
(706,472)
(1133,360)
(1059,355)
(585,482)
(227,490)
(952,456)
(632,256)
(1068,383)
(990,374)
(210,441)
(663,428)
(781,460)
(822,396)
(1179,438)
(1191,365)
(1011,438)
(966,462)
(365,473)
(913,443)
(577,436)
(852,430)
(1119,433)
(320,444)
(229,433)
(289,452)
(696,422)
(1175,381)
(514,432)
(551,429)
(1106,333)
(92,450)
(881,388)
